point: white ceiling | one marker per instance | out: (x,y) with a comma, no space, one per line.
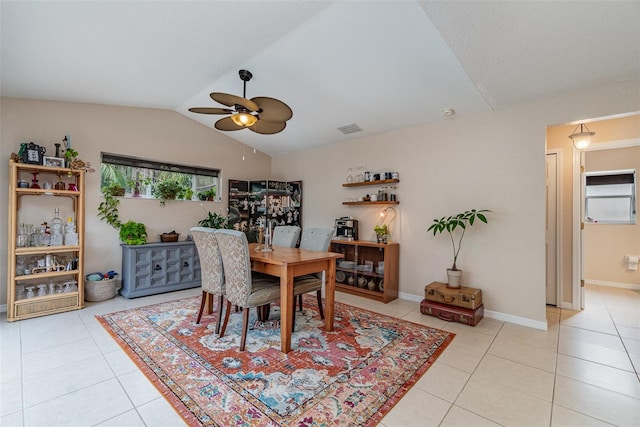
(382,65)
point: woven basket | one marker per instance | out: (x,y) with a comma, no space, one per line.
(169,237)
(100,290)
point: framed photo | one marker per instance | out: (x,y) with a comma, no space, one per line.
(55,162)
(31,153)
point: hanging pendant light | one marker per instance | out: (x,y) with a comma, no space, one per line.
(582,139)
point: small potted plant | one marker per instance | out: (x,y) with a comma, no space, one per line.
(168,189)
(133,233)
(451,223)
(207,195)
(382,233)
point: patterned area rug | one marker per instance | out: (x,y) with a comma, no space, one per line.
(352,376)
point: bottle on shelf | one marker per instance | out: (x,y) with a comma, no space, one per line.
(55,226)
(70,234)
(45,234)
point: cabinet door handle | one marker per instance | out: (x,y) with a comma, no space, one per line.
(186,264)
(158,268)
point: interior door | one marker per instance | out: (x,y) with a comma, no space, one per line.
(551,236)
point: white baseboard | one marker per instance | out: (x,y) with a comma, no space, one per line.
(632,286)
(523,321)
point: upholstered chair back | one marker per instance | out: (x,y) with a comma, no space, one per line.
(316,239)
(286,235)
(211,269)
(234,249)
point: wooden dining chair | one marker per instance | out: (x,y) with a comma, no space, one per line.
(286,235)
(313,239)
(243,288)
(211,271)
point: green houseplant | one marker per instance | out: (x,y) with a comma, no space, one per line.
(108,208)
(209,194)
(168,189)
(382,233)
(450,224)
(133,233)
(214,220)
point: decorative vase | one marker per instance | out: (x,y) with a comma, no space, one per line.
(453,277)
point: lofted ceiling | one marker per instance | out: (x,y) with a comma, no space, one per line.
(381,65)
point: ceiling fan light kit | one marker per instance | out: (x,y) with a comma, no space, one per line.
(262,114)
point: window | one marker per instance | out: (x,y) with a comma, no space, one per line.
(140,176)
(610,197)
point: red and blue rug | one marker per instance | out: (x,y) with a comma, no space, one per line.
(352,376)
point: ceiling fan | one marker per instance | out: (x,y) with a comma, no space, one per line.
(261,114)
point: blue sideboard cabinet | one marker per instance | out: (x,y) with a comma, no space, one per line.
(155,268)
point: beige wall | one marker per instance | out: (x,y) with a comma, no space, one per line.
(155,134)
(492,160)
(606,130)
(605,245)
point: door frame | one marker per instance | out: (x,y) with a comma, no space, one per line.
(558,243)
(578,241)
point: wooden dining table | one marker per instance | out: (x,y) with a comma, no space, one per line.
(288,263)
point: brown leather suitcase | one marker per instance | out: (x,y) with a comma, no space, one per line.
(460,297)
(450,313)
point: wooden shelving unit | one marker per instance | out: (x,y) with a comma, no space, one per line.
(24,308)
(353,279)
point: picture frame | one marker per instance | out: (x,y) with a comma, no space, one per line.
(55,162)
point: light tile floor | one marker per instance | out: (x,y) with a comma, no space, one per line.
(65,370)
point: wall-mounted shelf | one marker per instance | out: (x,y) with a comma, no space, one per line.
(387,202)
(379,182)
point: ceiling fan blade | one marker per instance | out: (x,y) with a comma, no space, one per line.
(267,128)
(232,100)
(207,110)
(273,110)
(227,124)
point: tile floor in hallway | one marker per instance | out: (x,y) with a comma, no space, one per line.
(65,370)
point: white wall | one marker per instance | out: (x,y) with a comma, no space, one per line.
(492,161)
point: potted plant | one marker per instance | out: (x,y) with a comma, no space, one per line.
(136,185)
(214,220)
(167,189)
(133,233)
(382,233)
(209,194)
(108,208)
(451,223)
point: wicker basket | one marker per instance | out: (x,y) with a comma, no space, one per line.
(169,237)
(100,290)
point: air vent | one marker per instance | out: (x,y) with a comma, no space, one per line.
(352,128)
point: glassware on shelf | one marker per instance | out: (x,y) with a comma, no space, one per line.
(30,293)
(60,185)
(34,181)
(42,290)
(70,235)
(360,175)
(20,293)
(56,229)
(52,288)
(350,175)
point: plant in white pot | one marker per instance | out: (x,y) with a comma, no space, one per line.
(451,223)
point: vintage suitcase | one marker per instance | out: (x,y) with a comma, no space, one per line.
(460,297)
(450,313)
